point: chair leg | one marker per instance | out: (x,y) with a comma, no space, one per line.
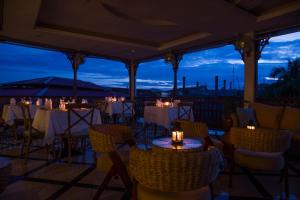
(286,182)
(134,189)
(22,147)
(232,167)
(28,144)
(211,191)
(105,182)
(69,149)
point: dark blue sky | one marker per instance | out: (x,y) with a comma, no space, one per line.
(20,63)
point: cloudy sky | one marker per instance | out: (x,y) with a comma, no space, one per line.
(21,63)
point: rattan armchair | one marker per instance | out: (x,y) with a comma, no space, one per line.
(173,174)
(104,139)
(199,130)
(260,149)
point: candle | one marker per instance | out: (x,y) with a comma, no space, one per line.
(250,127)
(177,137)
(167,103)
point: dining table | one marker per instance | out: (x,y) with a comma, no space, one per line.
(12,112)
(189,144)
(162,116)
(114,108)
(54,122)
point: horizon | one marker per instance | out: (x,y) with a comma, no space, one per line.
(18,62)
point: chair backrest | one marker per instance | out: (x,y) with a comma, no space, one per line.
(25,108)
(102,106)
(193,129)
(260,140)
(149,103)
(75,109)
(104,137)
(128,108)
(175,171)
(185,111)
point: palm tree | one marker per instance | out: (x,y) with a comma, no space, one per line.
(288,79)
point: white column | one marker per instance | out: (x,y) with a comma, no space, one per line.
(174,59)
(132,68)
(250,49)
(250,71)
(76,59)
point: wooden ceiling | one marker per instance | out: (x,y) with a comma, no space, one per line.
(140,29)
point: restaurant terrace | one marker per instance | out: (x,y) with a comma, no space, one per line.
(71,139)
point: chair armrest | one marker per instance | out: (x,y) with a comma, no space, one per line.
(230,121)
(260,139)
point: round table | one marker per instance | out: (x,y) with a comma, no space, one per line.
(189,144)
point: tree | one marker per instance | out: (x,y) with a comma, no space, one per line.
(288,79)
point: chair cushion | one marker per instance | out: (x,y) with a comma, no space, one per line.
(104,162)
(259,160)
(144,193)
(290,119)
(245,115)
(267,116)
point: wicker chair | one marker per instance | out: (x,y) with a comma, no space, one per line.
(30,133)
(199,130)
(127,114)
(260,149)
(185,111)
(102,107)
(174,174)
(74,118)
(104,139)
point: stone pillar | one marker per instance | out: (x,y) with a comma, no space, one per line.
(224,85)
(132,68)
(174,59)
(250,49)
(76,59)
(216,84)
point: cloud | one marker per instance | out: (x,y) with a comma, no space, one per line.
(265,61)
(260,61)
(198,61)
(271,79)
(235,61)
(286,38)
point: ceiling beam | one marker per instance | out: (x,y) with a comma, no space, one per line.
(279,11)
(39,45)
(62,30)
(183,40)
(236,6)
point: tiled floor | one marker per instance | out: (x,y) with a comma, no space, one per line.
(79,180)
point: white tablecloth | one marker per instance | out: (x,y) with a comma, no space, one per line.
(162,116)
(12,112)
(116,108)
(54,122)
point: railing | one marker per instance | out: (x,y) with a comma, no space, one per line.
(210,110)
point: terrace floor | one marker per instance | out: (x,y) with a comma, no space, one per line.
(80,179)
